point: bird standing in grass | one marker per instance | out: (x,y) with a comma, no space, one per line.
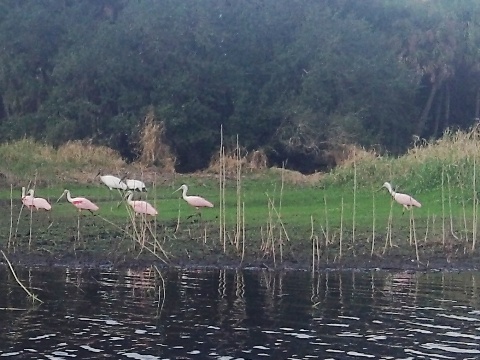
(135,185)
(140,206)
(38,202)
(405,200)
(80,203)
(193,200)
(112,182)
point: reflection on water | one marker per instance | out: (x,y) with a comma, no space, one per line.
(228,314)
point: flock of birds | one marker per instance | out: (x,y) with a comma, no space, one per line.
(142,207)
(112,182)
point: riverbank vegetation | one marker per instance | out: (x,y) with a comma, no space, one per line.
(270,216)
(299,81)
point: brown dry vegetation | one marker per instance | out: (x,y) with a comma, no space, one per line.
(153,147)
(250,161)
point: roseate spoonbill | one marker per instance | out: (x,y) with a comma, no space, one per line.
(407,201)
(27,199)
(80,203)
(140,206)
(196,201)
(38,202)
(112,182)
(135,185)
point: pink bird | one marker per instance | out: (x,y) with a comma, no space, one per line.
(80,203)
(196,201)
(38,202)
(140,206)
(27,200)
(403,199)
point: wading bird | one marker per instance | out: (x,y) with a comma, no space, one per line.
(38,202)
(80,203)
(27,199)
(135,185)
(140,206)
(405,200)
(195,201)
(112,182)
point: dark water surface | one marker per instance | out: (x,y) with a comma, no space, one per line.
(228,314)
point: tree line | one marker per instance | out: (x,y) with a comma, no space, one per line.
(297,79)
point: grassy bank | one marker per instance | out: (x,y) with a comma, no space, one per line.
(270,216)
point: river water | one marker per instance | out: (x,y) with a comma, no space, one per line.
(246,314)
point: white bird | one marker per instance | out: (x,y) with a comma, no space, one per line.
(112,182)
(403,199)
(135,185)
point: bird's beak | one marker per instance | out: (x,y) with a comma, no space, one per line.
(61,196)
(177,190)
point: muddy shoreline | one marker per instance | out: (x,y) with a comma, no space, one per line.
(121,261)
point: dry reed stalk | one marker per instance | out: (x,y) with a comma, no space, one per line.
(31,214)
(426,230)
(412,222)
(388,237)
(279,218)
(373,224)
(222,180)
(178,219)
(315,246)
(452,231)
(341,231)
(243,232)
(239,195)
(31,295)
(465,226)
(327,228)
(443,207)
(11,218)
(475,202)
(354,195)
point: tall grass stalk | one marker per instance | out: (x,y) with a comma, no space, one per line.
(354,195)
(327,228)
(475,202)
(373,224)
(315,246)
(443,206)
(412,225)
(450,210)
(426,230)
(340,247)
(11,218)
(388,236)
(239,196)
(222,184)
(243,232)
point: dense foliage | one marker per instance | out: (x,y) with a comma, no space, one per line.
(295,78)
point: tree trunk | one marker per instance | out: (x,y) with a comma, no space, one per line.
(426,110)
(446,122)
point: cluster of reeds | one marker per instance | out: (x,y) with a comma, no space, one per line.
(237,240)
